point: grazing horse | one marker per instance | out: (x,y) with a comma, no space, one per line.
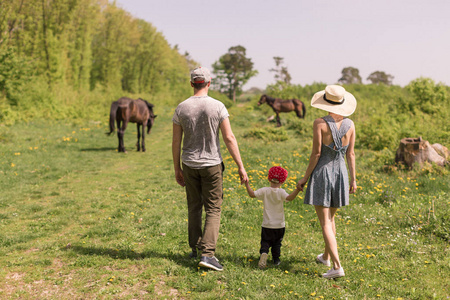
(279,105)
(127,110)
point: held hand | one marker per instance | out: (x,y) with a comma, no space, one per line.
(247,184)
(243,176)
(353,187)
(301,183)
(179,178)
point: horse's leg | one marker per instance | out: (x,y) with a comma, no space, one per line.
(121,132)
(144,124)
(138,136)
(278,120)
(119,135)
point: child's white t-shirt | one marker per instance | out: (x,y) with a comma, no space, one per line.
(273,199)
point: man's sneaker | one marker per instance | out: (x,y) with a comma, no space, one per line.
(320,259)
(262,261)
(210,262)
(193,254)
(334,273)
(276,261)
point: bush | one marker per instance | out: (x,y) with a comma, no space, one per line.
(273,134)
(428,96)
(300,127)
(377,133)
(221,97)
(284,91)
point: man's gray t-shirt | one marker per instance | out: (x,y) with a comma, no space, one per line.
(200,117)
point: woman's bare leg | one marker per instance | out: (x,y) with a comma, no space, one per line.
(326,254)
(326,218)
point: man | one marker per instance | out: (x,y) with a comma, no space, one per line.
(199,119)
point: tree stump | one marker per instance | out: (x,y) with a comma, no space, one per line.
(412,150)
(441,150)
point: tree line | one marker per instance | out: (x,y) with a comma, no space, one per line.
(84,45)
(87,44)
(350,75)
(234,69)
(92,45)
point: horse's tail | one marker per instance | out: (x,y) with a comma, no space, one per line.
(303,108)
(112,117)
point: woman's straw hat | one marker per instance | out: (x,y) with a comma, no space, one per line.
(335,99)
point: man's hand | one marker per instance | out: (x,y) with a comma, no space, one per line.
(243,176)
(179,177)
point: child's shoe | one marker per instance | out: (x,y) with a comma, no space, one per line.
(263,261)
(276,261)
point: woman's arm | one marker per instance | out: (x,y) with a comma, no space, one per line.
(350,155)
(315,153)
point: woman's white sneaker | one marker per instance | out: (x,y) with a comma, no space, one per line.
(320,259)
(334,273)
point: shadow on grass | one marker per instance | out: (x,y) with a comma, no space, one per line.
(99,149)
(181,259)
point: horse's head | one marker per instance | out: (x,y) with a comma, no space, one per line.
(150,122)
(151,117)
(262,100)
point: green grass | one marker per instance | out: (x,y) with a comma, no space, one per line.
(79,220)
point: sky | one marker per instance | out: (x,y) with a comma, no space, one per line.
(407,39)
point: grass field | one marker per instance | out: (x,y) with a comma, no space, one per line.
(80,221)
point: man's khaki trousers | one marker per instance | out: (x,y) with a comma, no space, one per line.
(204,190)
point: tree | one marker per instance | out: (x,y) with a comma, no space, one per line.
(232,71)
(15,72)
(281,72)
(113,46)
(380,77)
(190,61)
(350,75)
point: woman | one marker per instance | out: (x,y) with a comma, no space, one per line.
(328,187)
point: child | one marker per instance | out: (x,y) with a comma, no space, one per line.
(273,225)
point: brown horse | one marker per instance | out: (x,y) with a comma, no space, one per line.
(279,105)
(127,110)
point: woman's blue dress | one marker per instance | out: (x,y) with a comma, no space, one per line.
(328,184)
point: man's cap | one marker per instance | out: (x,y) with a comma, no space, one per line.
(200,75)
